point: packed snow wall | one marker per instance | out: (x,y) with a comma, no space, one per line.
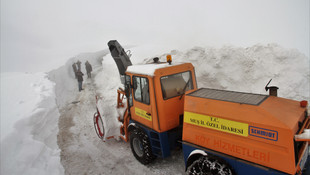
(29,145)
(250,69)
(66,84)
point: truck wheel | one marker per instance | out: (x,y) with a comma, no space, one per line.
(206,165)
(141,147)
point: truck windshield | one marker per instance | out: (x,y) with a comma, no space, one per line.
(176,84)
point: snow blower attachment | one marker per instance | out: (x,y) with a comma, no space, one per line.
(100,121)
(122,60)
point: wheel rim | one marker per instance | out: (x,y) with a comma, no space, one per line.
(137,146)
(202,166)
(209,166)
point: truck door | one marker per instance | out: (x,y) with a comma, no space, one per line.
(141,109)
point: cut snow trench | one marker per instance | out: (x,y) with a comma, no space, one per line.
(82,152)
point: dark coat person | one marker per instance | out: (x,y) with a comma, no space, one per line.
(79,75)
(79,64)
(89,69)
(74,69)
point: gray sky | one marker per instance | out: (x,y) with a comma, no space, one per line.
(39,35)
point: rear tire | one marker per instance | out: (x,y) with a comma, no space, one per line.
(141,147)
(207,165)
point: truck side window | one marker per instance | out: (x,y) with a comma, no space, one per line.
(141,89)
(176,84)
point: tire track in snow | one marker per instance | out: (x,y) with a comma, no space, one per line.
(82,152)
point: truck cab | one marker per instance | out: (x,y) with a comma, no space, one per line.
(156,102)
(151,104)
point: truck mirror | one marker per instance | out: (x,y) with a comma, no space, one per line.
(127,80)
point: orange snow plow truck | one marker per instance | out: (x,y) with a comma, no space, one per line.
(220,132)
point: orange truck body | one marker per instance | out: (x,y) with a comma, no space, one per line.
(261,132)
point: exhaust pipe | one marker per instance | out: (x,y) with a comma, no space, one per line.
(273,90)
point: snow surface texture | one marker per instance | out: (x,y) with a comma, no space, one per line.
(250,69)
(29,125)
(59,118)
(147,69)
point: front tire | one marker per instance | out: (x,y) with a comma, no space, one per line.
(141,147)
(207,165)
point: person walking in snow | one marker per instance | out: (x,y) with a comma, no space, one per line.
(79,64)
(74,69)
(79,75)
(88,69)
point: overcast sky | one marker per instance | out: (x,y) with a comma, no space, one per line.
(38,35)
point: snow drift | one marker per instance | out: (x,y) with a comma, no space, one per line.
(250,69)
(30,145)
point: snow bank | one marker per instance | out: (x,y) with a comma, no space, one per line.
(250,69)
(16,90)
(29,119)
